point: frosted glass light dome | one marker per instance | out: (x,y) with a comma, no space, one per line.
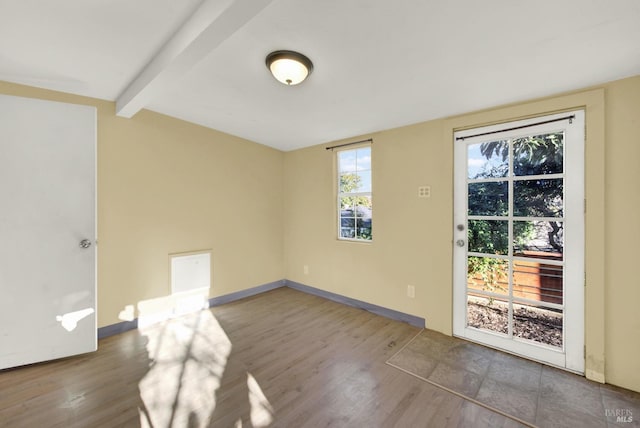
(288,67)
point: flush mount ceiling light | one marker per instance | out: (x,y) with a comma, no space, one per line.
(289,67)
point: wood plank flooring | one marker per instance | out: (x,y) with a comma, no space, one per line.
(283,359)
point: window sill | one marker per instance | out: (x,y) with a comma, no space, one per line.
(357,241)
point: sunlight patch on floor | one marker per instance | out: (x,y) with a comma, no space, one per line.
(191,370)
(261,410)
(188,356)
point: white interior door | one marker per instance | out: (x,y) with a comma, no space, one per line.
(519,238)
(48,196)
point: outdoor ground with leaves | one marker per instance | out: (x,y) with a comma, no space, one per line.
(539,325)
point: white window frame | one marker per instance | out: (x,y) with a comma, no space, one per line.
(340,195)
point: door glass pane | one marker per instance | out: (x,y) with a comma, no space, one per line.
(488,313)
(539,324)
(539,239)
(489,236)
(538,198)
(488,274)
(489,198)
(488,159)
(538,154)
(536,280)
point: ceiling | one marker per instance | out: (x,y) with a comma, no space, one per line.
(378,64)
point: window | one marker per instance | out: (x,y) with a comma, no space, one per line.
(354,194)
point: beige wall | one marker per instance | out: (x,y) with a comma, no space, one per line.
(622,233)
(413,237)
(167,186)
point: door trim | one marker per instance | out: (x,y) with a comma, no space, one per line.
(593,101)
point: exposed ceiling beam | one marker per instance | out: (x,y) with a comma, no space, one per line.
(212,23)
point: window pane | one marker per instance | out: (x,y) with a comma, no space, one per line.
(538,154)
(364,181)
(540,324)
(347,161)
(347,205)
(488,159)
(538,198)
(347,232)
(363,228)
(348,222)
(488,274)
(538,239)
(349,182)
(488,313)
(363,206)
(488,236)
(355,182)
(489,198)
(536,280)
(363,159)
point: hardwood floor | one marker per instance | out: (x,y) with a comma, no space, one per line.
(282,359)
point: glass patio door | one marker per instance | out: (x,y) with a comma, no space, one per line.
(519,238)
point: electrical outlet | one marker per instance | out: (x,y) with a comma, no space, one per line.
(305,269)
(411,291)
(424,191)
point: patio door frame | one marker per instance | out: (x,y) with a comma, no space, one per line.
(571,356)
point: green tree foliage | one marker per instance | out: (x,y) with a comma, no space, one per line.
(349,183)
(532,156)
(492,273)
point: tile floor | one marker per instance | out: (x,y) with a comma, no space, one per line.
(534,393)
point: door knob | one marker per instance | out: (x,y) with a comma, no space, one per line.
(85,243)
(460,227)
(460,242)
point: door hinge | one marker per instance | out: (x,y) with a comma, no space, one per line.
(584,352)
(585,279)
(585,205)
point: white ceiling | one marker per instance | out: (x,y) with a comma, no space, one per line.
(379,64)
